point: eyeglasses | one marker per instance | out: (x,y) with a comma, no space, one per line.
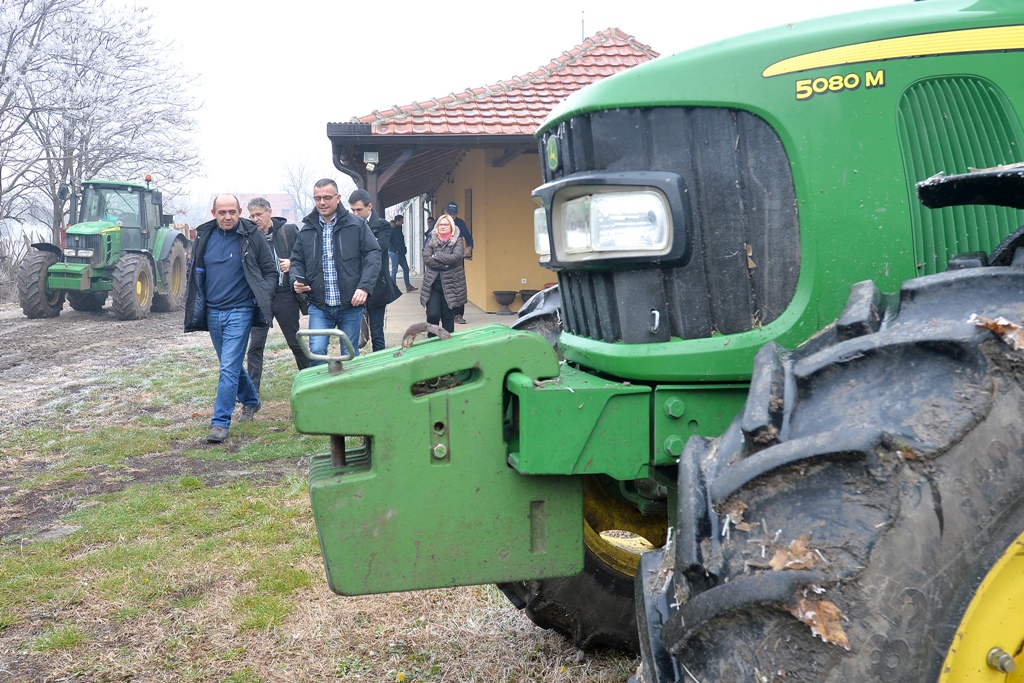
(257,215)
(325,198)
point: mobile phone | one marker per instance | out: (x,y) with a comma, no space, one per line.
(302,281)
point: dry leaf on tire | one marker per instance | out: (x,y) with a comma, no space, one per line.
(796,556)
(823,618)
(1009,332)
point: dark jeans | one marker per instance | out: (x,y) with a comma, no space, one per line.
(437,309)
(396,261)
(286,313)
(376,318)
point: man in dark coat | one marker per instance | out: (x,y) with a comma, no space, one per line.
(337,279)
(230,288)
(386,291)
(281,235)
(397,251)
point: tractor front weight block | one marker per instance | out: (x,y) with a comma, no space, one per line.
(416,491)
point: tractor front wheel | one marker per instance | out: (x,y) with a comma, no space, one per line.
(132,291)
(595,608)
(88,302)
(172,270)
(36,300)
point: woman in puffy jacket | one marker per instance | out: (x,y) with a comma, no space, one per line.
(444,277)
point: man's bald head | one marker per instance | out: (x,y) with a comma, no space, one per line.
(226,210)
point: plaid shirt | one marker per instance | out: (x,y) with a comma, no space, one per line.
(333,294)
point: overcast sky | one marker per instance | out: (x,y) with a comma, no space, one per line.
(271,75)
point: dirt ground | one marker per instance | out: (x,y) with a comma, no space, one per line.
(73,347)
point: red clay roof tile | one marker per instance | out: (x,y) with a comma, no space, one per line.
(520,104)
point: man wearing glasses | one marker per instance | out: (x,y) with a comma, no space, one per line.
(280,236)
(335,262)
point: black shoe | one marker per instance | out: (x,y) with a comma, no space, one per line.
(460,320)
(217,434)
(410,288)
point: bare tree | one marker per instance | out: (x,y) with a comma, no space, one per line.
(298,184)
(188,209)
(30,41)
(123,110)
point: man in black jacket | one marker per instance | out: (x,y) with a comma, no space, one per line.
(280,236)
(397,251)
(339,278)
(385,291)
(230,287)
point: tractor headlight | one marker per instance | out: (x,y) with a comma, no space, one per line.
(541,241)
(85,253)
(612,224)
(68,251)
(601,219)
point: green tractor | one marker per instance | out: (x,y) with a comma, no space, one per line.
(767,430)
(120,243)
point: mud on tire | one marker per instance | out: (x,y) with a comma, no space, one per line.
(35,299)
(132,293)
(892,457)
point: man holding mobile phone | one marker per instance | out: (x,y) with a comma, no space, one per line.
(280,236)
(335,262)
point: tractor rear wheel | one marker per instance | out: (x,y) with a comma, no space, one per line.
(36,300)
(172,271)
(862,519)
(88,302)
(132,292)
(596,607)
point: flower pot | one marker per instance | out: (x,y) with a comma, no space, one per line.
(504,297)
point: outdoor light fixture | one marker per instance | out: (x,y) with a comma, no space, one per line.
(370,159)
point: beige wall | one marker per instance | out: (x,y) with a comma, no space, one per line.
(501,222)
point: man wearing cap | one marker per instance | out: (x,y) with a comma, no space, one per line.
(453,210)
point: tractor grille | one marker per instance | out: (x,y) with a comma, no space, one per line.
(746,242)
(94,242)
(938,132)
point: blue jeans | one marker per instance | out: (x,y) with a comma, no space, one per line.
(399,260)
(347,320)
(229,330)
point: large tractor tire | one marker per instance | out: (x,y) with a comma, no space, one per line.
(88,302)
(175,280)
(132,293)
(595,608)
(863,518)
(35,299)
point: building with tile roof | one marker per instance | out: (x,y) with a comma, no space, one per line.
(476,148)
